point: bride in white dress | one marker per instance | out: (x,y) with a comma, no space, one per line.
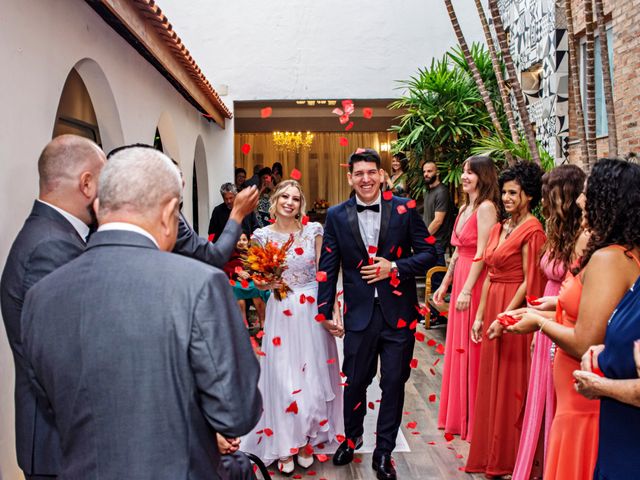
(300,378)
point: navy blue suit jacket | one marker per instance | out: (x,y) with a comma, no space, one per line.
(46,242)
(342,246)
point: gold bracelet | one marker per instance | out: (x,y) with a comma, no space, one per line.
(543,324)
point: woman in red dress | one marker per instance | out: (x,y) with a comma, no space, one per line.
(512,256)
(470,235)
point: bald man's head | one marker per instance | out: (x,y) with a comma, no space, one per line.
(69,167)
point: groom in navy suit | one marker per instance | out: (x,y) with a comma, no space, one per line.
(381,244)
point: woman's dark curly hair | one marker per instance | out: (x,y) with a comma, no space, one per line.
(526,174)
(561,187)
(613,206)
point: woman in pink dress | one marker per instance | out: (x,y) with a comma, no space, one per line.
(561,188)
(470,234)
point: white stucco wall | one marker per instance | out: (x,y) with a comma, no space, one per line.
(285,49)
(40,42)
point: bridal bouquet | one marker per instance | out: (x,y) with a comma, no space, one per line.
(266,264)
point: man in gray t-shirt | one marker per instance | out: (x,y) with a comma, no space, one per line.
(439,215)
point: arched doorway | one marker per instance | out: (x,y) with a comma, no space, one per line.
(76,114)
(200,192)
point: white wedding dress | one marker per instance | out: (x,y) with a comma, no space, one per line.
(302,364)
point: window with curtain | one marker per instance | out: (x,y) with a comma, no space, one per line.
(602,127)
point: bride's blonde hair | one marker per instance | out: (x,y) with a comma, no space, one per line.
(280,188)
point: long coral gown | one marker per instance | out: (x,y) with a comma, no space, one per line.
(541,397)
(573,441)
(504,362)
(461,355)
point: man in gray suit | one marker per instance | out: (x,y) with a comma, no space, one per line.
(141,355)
(53,235)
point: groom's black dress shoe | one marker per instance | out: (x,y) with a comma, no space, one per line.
(344,453)
(384,467)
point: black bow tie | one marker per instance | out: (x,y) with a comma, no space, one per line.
(362,208)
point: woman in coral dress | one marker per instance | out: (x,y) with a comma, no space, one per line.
(470,234)
(561,188)
(299,379)
(512,256)
(585,304)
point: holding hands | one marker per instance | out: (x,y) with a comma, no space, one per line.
(227,445)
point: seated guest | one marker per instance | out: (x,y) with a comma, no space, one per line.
(142,375)
(265,188)
(240,176)
(234,271)
(220,214)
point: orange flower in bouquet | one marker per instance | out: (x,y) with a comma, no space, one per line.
(266,264)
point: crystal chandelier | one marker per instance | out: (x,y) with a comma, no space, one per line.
(292,142)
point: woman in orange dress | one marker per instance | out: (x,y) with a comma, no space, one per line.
(585,304)
(512,256)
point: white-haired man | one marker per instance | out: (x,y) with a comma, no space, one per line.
(54,234)
(146,359)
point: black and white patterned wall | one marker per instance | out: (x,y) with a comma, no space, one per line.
(539,46)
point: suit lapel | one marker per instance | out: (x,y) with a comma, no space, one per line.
(352,217)
(385,216)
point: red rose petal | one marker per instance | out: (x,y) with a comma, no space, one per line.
(367,112)
(303,299)
(401,323)
(299,250)
(343,141)
(348,106)
(310,299)
(320,318)
(431,342)
(399,252)
(433,372)
(308,449)
(419,336)
(401,209)
(395,281)
(448,436)
(397,292)
(532,300)
(331,361)
(371,405)
(211,237)
(343,119)
(388,195)
(413,363)
(245,283)
(460,350)
(305,220)
(411,204)
(246,148)
(436,362)
(328,249)
(287,312)
(412,425)
(293,451)
(359,264)
(340,438)
(277,341)
(295,174)
(321,276)
(357,460)
(348,127)
(413,325)
(430,239)
(357,406)
(372,249)
(431,443)
(266,112)
(337,111)
(268,432)
(260,334)
(292,408)
(350,443)
(432,397)
(232,282)
(440,349)
(322,457)
(295,392)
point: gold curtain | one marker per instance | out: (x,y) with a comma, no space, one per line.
(323,177)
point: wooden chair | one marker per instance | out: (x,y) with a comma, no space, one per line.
(427,289)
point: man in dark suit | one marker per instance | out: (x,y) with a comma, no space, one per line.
(381,244)
(141,354)
(220,214)
(53,235)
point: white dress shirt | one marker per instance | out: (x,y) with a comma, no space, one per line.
(129,227)
(79,225)
(369,223)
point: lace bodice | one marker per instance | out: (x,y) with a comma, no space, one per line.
(301,257)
